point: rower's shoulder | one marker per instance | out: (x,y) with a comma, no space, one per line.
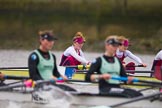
(96,60)
(34,52)
(160,52)
(158,55)
(53,55)
(33,56)
(127,52)
(69,48)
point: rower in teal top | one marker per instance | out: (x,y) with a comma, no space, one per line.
(41,62)
(102,68)
(45,67)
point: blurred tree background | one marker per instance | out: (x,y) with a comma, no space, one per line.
(139,20)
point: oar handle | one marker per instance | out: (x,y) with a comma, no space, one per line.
(139,66)
(136,66)
(123,78)
(136,80)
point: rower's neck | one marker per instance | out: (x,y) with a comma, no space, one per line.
(76,49)
(43,49)
(109,54)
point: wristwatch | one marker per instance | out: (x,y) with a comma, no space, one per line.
(96,78)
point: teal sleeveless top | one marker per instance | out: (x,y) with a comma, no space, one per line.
(110,68)
(45,67)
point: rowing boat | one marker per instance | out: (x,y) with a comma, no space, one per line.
(77,76)
(48,94)
(81,99)
(16,72)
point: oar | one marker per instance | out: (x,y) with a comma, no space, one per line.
(135,84)
(135,66)
(80,67)
(128,71)
(87,66)
(133,80)
(15,77)
(4,68)
(136,99)
(28,83)
(148,83)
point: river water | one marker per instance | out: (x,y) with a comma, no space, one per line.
(19,58)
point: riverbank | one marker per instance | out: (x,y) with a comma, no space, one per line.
(138,20)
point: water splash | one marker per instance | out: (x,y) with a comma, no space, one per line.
(56,97)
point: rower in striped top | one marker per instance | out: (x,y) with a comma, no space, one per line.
(122,52)
(74,55)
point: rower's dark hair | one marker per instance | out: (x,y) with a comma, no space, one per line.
(44,32)
(110,37)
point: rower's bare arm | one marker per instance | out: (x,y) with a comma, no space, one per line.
(96,78)
(144,65)
(64,77)
(130,79)
(54,78)
(1,76)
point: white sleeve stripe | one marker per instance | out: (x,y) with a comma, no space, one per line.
(134,57)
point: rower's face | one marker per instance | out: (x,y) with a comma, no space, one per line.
(78,46)
(111,48)
(123,48)
(47,45)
